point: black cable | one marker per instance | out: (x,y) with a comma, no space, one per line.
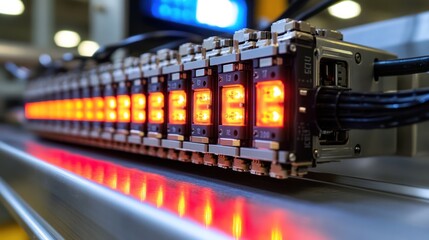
(403,66)
(315,10)
(291,11)
(104,53)
(342,109)
(169,45)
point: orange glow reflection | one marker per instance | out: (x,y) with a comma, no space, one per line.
(160,196)
(231,214)
(181,205)
(237,226)
(208,214)
(276,234)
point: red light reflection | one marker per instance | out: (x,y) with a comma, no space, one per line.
(233,215)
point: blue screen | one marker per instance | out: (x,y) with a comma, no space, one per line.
(222,15)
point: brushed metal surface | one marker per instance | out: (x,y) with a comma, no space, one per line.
(62,183)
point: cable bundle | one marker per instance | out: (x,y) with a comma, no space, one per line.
(342,109)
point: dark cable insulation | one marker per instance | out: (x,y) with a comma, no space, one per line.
(402,66)
(342,109)
(104,53)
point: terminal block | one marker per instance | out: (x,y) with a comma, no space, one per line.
(245,103)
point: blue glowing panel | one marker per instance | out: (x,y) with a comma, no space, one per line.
(223,15)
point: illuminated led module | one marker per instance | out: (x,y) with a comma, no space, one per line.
(245,103)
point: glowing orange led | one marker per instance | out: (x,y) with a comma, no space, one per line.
(156,107)
(88,109)
(30,111)
(138,108)
(177,107)
(110,109)
(124,106)
(98,109)
(60,113)
(270,104)
(78,109)
(233,100)
(47,108)
(69,114)
(202,107)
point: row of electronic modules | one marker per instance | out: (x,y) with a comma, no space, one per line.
(238,103)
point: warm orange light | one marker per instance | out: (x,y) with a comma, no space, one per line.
(160,196)
(110,109)
(78,109)
(125,183)
(233,100)
(98,109)
(156,107)
(143,191)
(59,110)
(138,108)
(69,115)
(276,234)
(270,104)
(124,106)
(237,226)
(112,179)
(208,214)
(88,109)
(31,111)
(177,107)
(181,205)
(202,107)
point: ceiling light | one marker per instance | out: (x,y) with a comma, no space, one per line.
(11,7)
(87,48)
(66,39)
(345,9)
(221,13)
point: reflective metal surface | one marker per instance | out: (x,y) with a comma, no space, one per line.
(36,226)
(99,194)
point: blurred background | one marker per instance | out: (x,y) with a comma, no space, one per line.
(30,29)
(35,33)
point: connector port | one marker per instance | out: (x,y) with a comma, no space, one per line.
(333,73)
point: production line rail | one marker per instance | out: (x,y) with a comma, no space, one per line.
(66,190)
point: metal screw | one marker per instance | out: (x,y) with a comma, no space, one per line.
(316,154)
(358,58)
(292,48)
(292,157)
(357,149)
(316,52)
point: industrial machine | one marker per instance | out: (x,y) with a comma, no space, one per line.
(264,102)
